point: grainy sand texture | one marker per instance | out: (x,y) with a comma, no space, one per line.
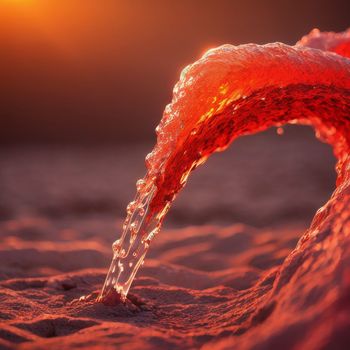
(216,277)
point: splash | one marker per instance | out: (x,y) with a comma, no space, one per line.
(230,92)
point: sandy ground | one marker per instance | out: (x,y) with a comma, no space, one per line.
(206,273)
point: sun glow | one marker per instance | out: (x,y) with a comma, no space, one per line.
(74,31)
(19,3)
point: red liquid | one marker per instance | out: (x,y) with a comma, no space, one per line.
(234,91)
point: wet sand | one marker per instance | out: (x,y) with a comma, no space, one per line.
(209,275)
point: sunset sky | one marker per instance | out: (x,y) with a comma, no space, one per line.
(102,71)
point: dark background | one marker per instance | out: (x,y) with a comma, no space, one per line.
(83,71)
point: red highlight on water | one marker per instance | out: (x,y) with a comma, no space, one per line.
(230,92)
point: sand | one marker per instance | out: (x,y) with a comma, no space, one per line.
(221,274)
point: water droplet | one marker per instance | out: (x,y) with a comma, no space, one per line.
(140,184)
(116,246)
(280,131)
(147,243)
(122,253)
(133,226)
(130,208)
